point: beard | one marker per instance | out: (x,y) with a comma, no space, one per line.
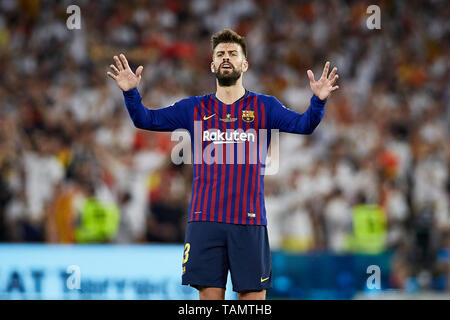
(227,79)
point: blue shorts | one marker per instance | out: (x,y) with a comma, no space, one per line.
(213,248)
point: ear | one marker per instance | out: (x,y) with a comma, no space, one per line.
(212,66)
(245,65)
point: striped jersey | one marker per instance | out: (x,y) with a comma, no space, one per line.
(229,144)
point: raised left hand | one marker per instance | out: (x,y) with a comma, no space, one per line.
(323,87)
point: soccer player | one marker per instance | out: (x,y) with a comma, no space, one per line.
(226,228)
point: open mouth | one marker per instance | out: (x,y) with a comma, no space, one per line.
(226,66)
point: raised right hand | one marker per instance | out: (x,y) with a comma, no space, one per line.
(124,77)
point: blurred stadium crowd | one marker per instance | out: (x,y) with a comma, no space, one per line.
(372,177)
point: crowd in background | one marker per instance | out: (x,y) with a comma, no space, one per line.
(66,136)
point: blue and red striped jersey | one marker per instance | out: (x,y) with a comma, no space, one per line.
(229,144)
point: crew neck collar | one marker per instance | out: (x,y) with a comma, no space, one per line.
(229,104)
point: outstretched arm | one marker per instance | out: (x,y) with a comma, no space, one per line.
(164,119)
(289,121)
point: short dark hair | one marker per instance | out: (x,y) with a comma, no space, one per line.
(228,36)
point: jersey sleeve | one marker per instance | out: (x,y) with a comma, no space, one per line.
(286,120)
(164,119)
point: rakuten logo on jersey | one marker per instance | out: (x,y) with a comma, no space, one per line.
(220,137)
(231,147)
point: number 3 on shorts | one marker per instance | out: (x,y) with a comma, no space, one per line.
(187,247)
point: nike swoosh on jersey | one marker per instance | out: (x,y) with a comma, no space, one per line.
(206,118)
(262,280)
